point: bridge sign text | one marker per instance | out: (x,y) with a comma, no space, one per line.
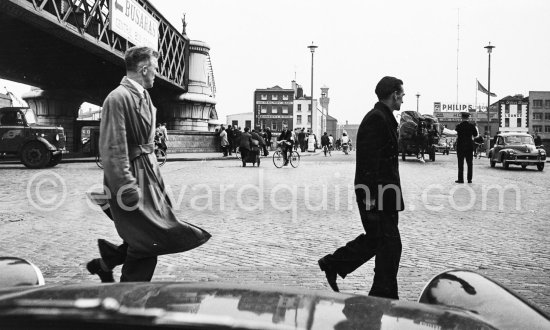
(132,22)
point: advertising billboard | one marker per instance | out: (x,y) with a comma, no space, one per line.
(132,22)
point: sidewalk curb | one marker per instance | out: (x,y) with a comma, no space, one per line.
(170,159)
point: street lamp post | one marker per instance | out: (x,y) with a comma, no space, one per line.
(417,97)
(489,51)
(312,49)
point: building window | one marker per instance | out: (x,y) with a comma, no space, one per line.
(537,103)
(506,108)
(235,123)
(537,128)
(299,107)
(546,129)
(547,104)
(299,120)
(309,107)
(274,125)
(262,123)
(285,109)
(506,122)
(285,97)
(264,97)
(274,97)
(519,108)
(274,109)
(547,116)
(309,119)
(518,122)
(264,109)
(537,115)
(248,123)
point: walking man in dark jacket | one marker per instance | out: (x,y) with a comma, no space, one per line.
(465,147)
(379,198)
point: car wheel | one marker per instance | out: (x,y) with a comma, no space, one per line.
(35,155)
(540,166)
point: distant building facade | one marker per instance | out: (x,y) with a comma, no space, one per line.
(274,107)
(242,120)
(513,114)
(539,105)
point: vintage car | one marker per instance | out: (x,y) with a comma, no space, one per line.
(36,145)
(456,299)
(516,149)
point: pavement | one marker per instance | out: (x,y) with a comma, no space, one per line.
(270,225)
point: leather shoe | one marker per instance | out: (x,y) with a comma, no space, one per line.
(94,267)
(330,274)
(459,181)
(469,181)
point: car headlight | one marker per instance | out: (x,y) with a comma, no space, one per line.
(57,137)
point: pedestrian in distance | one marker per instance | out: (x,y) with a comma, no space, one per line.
(284,141)
(245,144)
(325,143)
(268,137)
(379,197)
(236,137)
(466,132)
(224,141)
(302,140)
(134,188)
(229,132)
(538,140)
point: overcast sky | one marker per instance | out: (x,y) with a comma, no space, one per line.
(260,43)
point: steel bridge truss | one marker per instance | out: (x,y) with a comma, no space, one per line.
(90,18)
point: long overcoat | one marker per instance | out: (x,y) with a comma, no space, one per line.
(141,210)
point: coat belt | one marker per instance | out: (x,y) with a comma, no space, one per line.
(136,150)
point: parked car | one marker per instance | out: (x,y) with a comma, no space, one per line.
(516,149)
(456,299)
(36,145)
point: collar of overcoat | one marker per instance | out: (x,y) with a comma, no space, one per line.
(142,104)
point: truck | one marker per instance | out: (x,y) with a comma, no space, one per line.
(37,146)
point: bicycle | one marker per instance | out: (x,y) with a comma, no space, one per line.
(293,157)
(327,149)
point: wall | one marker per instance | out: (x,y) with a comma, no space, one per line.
(181,142)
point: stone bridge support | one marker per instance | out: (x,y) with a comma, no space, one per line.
(56,108)
(193,110)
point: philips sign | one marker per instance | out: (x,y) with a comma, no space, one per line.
(450,107)
(132,22)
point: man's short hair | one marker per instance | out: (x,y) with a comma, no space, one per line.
(136,55)
(386,86)
(246,129)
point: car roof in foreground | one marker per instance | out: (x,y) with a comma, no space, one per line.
(241,306)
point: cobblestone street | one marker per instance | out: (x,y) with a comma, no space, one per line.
(271,225)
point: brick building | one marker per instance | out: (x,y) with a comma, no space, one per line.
(539,118)
(274,107)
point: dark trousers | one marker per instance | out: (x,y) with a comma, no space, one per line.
(133,269)
(468,155)
(224,150)
(381,239)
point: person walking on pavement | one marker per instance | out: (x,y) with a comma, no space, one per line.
(138,203)
(224,141)
(379,197)
(465,147)
(302,140)
(268,137)
(229,132)
(236,138)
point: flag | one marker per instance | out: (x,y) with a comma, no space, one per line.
(483,89)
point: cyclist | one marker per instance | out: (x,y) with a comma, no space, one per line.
(325,143)
(330,142)
(284,140)
(345,141)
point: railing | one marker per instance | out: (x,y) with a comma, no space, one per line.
(91,17)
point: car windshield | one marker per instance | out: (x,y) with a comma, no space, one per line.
(29,116)
(514,139)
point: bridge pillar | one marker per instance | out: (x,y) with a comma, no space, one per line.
(193,110)
(56,108)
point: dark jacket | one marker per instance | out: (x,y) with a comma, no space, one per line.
(377,166)
(465,137)
(286,135)
(245,141)
(325,140)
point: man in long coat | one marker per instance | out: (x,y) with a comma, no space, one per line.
(141,210)
(379,197)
